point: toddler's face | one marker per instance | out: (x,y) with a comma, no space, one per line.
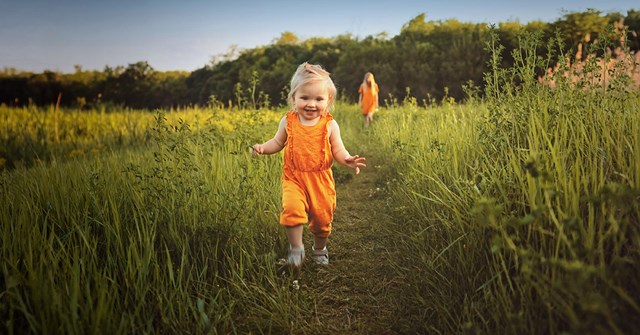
(312,100)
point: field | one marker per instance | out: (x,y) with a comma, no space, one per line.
(515,213)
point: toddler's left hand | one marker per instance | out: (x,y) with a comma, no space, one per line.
(355,162)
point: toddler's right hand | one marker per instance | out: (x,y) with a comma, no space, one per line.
(256,149)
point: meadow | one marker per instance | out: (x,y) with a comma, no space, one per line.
(515,212)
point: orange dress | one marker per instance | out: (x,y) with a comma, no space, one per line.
(369,99)
(308,188)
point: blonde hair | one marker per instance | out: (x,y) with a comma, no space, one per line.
(366,85)
(307,73)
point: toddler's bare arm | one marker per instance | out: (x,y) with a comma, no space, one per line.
(276,143)
(340,153)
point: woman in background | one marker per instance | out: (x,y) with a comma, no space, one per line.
(368,99)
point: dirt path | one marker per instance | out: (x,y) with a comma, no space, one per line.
(354,294)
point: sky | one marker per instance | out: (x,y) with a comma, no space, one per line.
(38,35)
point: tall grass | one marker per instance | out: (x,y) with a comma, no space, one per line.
(180,235)
(28,134)
(515,213)
(179,238)
(520,212)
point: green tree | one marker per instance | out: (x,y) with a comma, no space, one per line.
(632,21)
(287,37)
(134,86)
(581,28)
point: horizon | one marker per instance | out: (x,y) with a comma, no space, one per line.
(37,35)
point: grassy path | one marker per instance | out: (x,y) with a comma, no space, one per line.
(355,293)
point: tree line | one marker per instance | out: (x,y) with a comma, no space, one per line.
(431,60)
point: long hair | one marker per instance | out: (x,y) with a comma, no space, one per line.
(368,82)
(307,73)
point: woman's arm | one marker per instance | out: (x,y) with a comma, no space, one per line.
(276,143)
(376,97)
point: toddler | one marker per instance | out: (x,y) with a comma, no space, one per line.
(311,141)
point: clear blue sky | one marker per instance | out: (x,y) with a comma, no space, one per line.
(184,35)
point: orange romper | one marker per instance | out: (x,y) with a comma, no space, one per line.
(369,99)
(308,188)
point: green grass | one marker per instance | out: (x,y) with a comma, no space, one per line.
(178,238)
(515,213)
(519,214)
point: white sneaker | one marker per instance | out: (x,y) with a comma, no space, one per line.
(321,256)
(296,256)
